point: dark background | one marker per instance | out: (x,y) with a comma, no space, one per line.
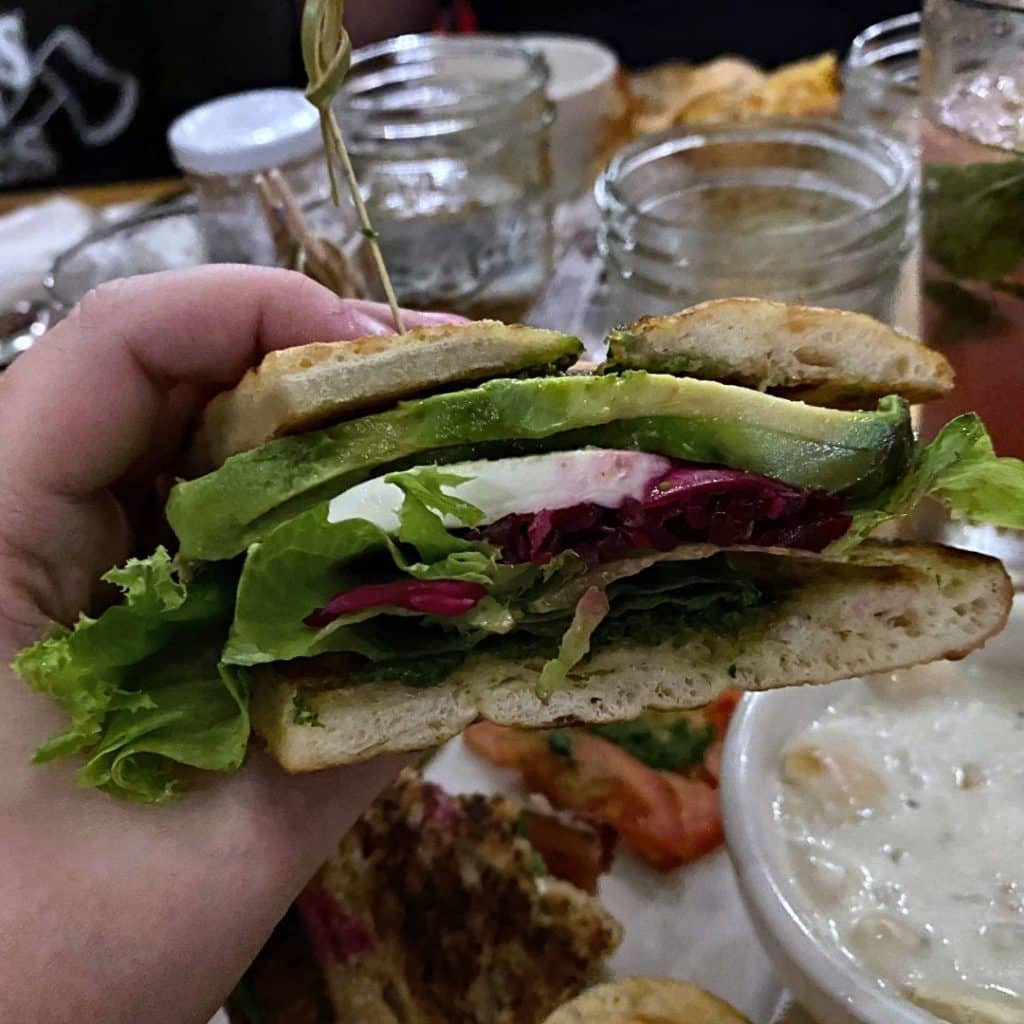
(187,51)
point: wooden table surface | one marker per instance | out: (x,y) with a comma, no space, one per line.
(96,195)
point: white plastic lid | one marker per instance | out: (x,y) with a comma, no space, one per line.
(245,133)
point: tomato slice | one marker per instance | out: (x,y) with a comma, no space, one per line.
(600,780)
(700,815)
(719,712)
(502,745)
(713,760)
(666,818)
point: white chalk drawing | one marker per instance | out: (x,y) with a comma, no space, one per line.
(33,92)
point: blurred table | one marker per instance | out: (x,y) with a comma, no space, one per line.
(97,195)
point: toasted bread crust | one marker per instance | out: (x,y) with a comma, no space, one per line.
(647,1000)
(820,356)
(882,608)
(312,385)
(650,1000)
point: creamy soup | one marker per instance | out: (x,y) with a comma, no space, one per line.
(902,810)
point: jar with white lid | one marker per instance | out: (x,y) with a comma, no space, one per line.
(222,145)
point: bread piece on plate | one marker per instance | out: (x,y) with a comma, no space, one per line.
(962,1005)
(880,608)
(435,910)
(820,356)
(310,386)
(647,1001)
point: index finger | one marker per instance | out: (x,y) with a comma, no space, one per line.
(138,357)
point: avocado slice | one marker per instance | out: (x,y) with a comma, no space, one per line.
(856,453)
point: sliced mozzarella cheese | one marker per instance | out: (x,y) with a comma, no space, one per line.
(501,487)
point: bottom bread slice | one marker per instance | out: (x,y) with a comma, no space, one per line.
(886,606)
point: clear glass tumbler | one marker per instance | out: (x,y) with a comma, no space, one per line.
(972,200)
(449,137)
(811,210)
(972,211)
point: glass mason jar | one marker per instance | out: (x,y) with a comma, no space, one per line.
(972,210)
(880,78)
(222,145)
(808,210)
(449,137)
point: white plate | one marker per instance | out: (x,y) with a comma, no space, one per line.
(688,924)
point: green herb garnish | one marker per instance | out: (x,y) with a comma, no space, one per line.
(663,746)
(303,712)
(560,743)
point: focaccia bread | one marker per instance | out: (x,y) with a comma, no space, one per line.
(309,386)
(647,1001)
(820,356)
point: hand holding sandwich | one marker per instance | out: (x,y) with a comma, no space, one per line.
(109,911)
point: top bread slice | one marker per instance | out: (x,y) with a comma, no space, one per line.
(820,356)
(311,386)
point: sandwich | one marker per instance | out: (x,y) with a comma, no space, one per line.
(435,908)
(383,541)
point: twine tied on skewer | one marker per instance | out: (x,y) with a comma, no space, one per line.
(327,54)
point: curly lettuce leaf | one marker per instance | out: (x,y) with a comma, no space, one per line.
(423,505)
(196,715)
(142,682)
(309,559)
(574,646)
(961,471)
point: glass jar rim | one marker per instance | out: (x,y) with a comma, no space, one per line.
(880,28)
(531,80)
(865,57)
(854,140)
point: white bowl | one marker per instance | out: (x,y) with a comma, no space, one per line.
(582,79)
(820,979)
(823,981)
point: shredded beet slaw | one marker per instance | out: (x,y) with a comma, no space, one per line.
(691,504)
(431,597)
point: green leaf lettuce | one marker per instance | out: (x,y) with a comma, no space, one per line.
(959,469)
(142,682)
